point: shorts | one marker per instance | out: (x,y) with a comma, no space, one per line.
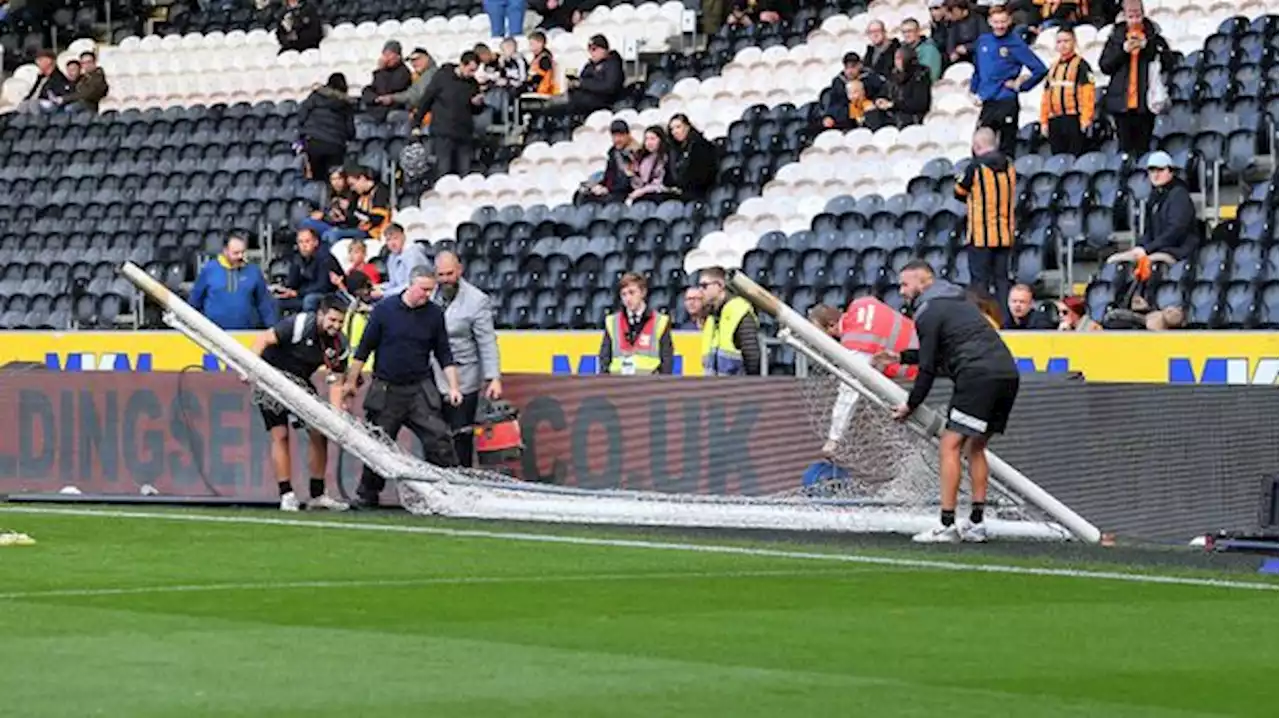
(272,419)
(980,405)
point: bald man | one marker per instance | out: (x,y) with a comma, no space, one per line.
(468,314)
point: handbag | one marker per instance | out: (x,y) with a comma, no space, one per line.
(1157,93)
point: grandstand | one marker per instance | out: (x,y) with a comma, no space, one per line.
(170,165)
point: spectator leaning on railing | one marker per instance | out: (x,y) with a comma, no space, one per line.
(232,293)
(637,340)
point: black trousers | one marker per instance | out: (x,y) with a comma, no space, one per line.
(1133,132)
(1002,116)
(461,419)
(453,156)
(989,272)
(416,406)
(1066,137)
(323,156)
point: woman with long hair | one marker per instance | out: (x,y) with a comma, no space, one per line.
(694,161)
(650,167)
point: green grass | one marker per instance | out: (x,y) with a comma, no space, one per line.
(413,624)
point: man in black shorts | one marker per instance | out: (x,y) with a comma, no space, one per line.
(958,341)
(298,346)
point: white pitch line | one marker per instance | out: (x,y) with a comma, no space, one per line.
(671,546)
(415,582)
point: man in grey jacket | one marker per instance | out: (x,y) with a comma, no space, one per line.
(468,315)
(424,68)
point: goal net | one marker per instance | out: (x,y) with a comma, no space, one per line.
(456,492)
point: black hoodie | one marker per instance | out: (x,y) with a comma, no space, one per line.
(448,99)
(1171,221)
(600,83)
(328,116)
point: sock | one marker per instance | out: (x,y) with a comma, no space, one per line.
(286,486)
(317,488)
(975,511)
(948,517)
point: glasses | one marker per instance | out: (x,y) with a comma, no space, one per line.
(707,285)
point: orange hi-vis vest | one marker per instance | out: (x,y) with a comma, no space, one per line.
(871,326)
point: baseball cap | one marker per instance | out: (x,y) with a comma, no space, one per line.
(1159,160)
(934,4)
(393,46)
(599,41)
(852,58)
(619,127)
(419,52)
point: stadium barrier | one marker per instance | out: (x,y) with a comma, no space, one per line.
(1235,358)
(1151,462)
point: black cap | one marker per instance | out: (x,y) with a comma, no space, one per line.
(852,58)
(599,41)
(619,127)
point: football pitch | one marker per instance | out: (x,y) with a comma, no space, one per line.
(236,612)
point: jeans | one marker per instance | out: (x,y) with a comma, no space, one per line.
(506,17)
(329,233)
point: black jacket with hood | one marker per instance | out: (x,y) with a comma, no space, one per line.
(1114,61)
(695,164)
(448,99)
(1171,221)
(329,116)
(600,84)
(956,340)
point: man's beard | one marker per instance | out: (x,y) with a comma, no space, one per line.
(449,290)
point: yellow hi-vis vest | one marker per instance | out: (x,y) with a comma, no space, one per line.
(353,327)
(720,356)
(645,355)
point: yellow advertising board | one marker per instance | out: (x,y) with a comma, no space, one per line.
(1178,357)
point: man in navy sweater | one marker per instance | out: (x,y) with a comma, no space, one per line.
(406,331)
(999,59)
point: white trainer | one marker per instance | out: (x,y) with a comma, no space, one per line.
(974,533)
(289,502)
(939,534)
(324,501)
(15,538)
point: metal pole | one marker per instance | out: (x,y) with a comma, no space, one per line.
(924,418)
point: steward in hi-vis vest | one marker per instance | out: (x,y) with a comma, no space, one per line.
(637,340)
(870,326)
(730,332)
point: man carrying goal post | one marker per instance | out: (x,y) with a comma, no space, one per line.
(867,328)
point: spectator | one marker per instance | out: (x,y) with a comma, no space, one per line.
(999,59)
(542,67)
(598,86)
(71,71)
(358,263)
(695,159)
(51,85)
(909,94)
(424,68)
(614,184)
(1171,232)
(403,258)
(739,15)
(772,12)
(337,221)
(311,273)
(1066,109)
(861,110)
(506,17)
(558,14)
(940,28)
(987,188)
(468,314)
(391,76)
(1051,13)
(927,53)
(650,166)
(232,293)
(637,340)
(839,107)
(1134,44)
(513,69)
(327,119)
(300,27)
(730,332)
(1141,316)
(373,203)
(1074,316)
(89,88)
(693,309)
(964,27)
(880,49)
(1022,314)
(454,99)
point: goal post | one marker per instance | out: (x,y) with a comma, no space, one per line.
(856,372)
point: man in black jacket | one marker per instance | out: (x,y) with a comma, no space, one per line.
(958,341)
(327,120)
(390,77)
(454,99)
(51,85)
(880,49)
(300,27)
(836,113)
(1022,312)
(309,274)
(1171,233)
(614,184)
(963,31)
(598,86)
